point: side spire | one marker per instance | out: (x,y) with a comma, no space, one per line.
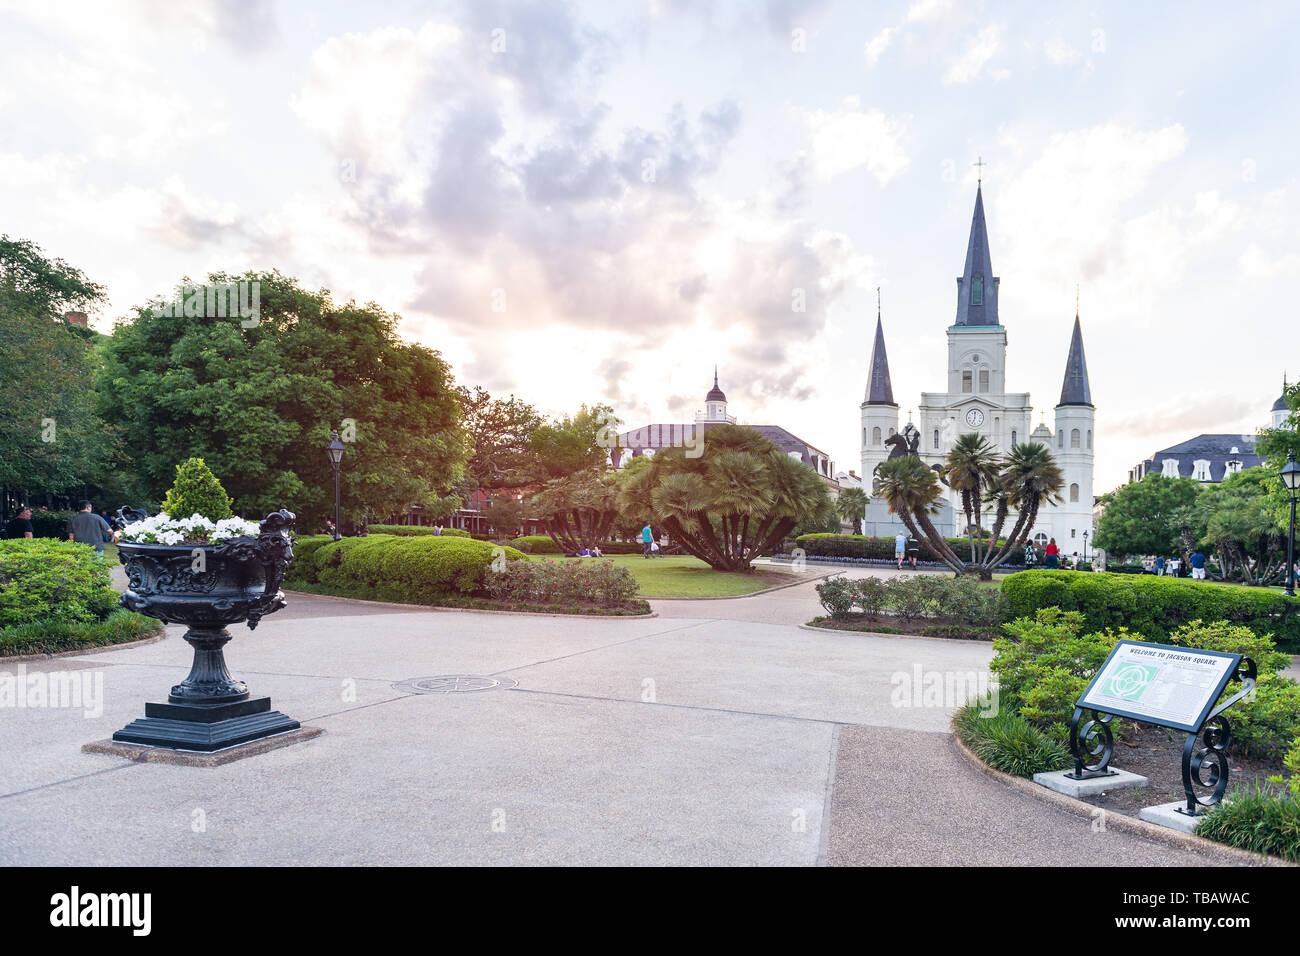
(880,391)
(1075,389)
(977,289)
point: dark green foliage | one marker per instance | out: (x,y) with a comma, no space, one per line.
(1256,819)
(912,597)
(196,491)
(258,403)
(1008,742)
(53,582)
(419,569)
(882,549)
(1150,605)
(51,637)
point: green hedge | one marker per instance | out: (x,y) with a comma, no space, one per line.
(53,582)
(1150,605)
(882,549)
(51,637)
(422,568)
(415,530)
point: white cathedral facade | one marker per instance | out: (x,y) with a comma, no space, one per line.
(976,399)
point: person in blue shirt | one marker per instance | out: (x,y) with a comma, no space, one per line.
(1197,561)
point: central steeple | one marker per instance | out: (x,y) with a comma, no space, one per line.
(977,289)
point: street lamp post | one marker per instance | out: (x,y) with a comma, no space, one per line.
(335,452)
(1291,479)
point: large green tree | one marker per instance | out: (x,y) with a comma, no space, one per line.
(257,401)
(52,439)
(730,504)
(1147,516)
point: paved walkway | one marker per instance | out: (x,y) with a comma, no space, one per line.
(718,733)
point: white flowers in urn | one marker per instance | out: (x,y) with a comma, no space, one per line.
(164,529)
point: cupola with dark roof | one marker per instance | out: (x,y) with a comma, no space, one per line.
(977,289)
(1075,389)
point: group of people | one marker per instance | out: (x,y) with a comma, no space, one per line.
(84,527)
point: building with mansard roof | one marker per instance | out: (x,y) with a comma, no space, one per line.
(976,398)
(649,439)
(1210,458)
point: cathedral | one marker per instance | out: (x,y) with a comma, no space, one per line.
(975,399)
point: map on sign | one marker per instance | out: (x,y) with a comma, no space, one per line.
(1171,686)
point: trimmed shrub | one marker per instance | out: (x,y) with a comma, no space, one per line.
(415,530)
(53,582)
(420,568)
(196,491)
(46,637)
(50,524)
(1150,605)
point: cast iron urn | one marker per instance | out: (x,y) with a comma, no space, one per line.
(208,587)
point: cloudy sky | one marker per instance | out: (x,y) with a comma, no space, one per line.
(598,201)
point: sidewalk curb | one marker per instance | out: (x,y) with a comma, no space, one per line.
(476,610)
(1119,821)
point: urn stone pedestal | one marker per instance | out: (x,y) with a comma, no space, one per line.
(208,587)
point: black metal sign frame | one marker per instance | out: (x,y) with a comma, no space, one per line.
(1093,744)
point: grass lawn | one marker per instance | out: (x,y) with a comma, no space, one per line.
(685,577)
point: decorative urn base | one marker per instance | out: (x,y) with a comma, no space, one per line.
(207,587)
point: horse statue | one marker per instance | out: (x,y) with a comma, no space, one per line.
(908,442)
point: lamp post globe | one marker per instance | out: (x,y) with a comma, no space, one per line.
(334,451)
(1290,475)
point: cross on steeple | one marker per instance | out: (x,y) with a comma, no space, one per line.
(980,164)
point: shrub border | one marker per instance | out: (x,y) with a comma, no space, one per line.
(91,649)
(474,610)
(1120,821)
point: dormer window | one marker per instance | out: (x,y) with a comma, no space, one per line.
(977,289)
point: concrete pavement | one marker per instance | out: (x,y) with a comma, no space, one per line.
(718,733)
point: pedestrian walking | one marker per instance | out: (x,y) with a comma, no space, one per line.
(20,525)
(86,527)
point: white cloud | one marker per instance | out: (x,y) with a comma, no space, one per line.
(877,45)
(850,137)
(985,46)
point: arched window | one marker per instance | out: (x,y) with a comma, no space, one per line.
(1089,437)
(1074,438)
(1060,438)
(875,435)
(936,438)
(1074,492)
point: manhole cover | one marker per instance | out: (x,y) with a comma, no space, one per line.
(453,684)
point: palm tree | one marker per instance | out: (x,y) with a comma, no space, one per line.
(972,467)
(913,491)
(733,503)
(851,505)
